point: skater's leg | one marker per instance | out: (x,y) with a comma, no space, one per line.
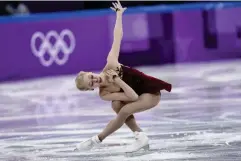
(130,121)
(145,102)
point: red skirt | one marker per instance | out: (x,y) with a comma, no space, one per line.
(142,83)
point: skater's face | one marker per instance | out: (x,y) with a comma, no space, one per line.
(88,81)
(92,80)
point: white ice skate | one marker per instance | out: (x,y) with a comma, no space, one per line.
(142,142)
(88,144)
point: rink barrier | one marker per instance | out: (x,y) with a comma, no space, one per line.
(152,36)
(131,10)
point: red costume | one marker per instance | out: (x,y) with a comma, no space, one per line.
(142,83)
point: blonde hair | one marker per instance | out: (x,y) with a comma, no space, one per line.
(79,81)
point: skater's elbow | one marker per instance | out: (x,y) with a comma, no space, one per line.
(135,97)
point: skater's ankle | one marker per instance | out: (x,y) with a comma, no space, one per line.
(100,137)
(138,130)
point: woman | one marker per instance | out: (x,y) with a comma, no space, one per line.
(130,91)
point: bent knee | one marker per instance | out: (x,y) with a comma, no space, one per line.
(125,113)
(116,106)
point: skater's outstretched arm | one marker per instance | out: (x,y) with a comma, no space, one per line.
(118,34)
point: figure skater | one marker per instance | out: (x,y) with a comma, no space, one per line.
(130,91)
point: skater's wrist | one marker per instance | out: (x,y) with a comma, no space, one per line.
(115,77)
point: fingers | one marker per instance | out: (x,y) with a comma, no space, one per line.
(118,1)
(108,72)
(115,5)
(111,72)
(112,8)
(109,76)
(119,4)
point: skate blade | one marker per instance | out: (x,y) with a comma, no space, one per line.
(81,150)
(138,152)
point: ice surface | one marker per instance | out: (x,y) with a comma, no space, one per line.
(200,120)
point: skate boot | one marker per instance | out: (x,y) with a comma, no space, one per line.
(142,142)
(88,144)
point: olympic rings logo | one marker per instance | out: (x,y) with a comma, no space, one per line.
(53,50)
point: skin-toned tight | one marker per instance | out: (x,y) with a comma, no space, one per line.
(130,121)
(145,102)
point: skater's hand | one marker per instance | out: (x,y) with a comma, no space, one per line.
(117,7)
(111,74)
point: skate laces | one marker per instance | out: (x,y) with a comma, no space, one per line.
(136,135)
